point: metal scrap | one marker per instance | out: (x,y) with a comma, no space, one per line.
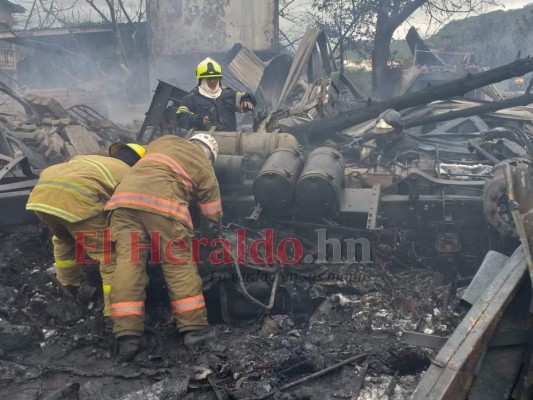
(317,374)
(519,223)
(423,340)
(490,267)
(390,388)
(455,362)
(360,381)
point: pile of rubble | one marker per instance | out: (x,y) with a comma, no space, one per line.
(55,346)
(49,133)
(430,216)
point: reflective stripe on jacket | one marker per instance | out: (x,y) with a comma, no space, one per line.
(78,189)
(173,173)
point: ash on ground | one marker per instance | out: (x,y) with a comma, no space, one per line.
(58,347)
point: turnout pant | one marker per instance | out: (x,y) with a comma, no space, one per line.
(95,245)
(136,233)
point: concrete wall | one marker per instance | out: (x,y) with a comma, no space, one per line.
(183,32)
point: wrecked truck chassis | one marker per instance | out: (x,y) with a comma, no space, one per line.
(417,219)
(442,216)
(420,219)
(440,221)
(410,227)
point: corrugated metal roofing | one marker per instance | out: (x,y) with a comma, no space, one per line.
(248,67)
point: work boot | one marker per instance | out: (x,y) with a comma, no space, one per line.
(85,293)
(128,347)
(198,336)
(72,290)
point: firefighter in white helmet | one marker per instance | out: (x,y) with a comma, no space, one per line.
(155,197)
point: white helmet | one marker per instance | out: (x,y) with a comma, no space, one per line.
(209,141)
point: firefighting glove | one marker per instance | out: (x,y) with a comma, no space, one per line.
(249,97)
(199,121)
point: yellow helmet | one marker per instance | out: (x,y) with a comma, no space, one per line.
(388,121)
(208,69)
(137,148)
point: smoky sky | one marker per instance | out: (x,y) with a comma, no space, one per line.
(419,19)
(516,3)
(81,10)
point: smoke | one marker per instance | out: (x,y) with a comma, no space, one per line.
(181,35)
(67,64)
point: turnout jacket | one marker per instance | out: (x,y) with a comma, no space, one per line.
(221,111)
(173,173)
(390,151)
(77,189)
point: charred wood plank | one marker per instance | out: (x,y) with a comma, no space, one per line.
(522,100)
(68,392)
(454,88)
(317,374)
(390,387)
(360,380)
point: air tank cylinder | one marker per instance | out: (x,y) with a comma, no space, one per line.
(274,185)
(246,143)
(320,182)
(229,169)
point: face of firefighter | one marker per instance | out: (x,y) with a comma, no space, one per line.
(212,83)
(391,137)
(388,139)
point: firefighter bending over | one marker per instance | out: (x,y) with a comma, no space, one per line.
(151,213)
(69,199)
(209,105)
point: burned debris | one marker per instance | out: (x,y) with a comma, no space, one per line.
(362,247)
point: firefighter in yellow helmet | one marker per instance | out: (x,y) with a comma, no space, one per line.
(208,104)
(151,216)
(390,140)
(69,199)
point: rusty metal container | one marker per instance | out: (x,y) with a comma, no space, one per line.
(229,170)
(320,182)
(247,143)
(273,187)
